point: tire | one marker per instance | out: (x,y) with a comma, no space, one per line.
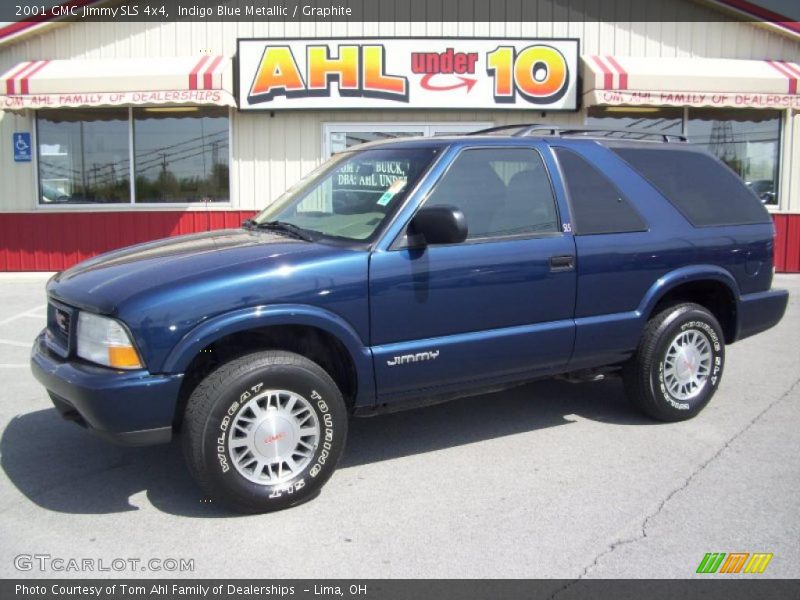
(677,393)
(244,458)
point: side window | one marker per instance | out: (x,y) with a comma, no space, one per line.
(597,205)
(502,192)
(699,186)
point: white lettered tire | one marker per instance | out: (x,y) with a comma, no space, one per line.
(678,365)
(264,431)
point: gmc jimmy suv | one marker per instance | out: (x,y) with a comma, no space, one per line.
(414,271)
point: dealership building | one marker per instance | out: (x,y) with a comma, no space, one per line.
(119,132)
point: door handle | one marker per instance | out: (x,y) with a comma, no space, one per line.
(564,262)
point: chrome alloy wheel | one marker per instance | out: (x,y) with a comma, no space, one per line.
(273,437)
(687,364)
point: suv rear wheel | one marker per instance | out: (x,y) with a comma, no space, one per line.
(264,431)
(678,364)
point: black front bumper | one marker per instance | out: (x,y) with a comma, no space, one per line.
(127,407)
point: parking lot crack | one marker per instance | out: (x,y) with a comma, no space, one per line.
(648,519)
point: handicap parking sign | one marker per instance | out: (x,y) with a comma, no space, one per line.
(22,146)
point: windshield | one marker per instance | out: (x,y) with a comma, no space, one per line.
(351,195)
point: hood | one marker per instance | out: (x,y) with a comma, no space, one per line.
(104,283)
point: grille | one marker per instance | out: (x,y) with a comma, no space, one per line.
(59,327)
(63,322)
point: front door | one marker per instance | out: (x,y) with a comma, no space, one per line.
(495,308)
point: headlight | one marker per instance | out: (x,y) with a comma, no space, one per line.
(104,341)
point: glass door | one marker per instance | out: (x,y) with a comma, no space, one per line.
(340,136)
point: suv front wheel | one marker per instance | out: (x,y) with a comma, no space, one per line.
(264,431)
(678,365)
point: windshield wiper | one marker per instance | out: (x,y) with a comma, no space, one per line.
(288,228)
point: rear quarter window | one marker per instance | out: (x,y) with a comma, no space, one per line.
(597,205)
(704,190)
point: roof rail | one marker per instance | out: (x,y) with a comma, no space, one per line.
(524,129)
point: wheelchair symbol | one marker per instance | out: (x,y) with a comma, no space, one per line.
(21,144)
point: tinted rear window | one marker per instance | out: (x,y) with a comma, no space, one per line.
(701,188)
(597,205)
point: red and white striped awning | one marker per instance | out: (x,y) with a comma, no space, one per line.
(118,82)
(690,81)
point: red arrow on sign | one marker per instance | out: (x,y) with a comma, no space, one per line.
(467,82)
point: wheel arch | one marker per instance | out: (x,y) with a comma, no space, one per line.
(710,286)
(279,319)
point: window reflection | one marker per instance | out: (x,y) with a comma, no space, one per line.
(746,140)
(83,156)
(181,154)
(653,119)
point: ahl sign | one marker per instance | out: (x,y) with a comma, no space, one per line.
(419,73)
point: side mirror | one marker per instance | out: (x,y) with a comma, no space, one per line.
(437,225)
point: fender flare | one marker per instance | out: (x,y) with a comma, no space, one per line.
(673,279)
(281,314)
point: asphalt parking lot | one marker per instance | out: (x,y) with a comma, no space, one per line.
(549,480)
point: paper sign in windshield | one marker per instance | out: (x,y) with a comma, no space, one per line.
(393,190)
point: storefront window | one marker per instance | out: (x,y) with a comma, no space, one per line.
(747,140)
(181,154)
(83,156)
(653,119)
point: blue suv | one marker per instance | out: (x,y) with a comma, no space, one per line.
(414,271)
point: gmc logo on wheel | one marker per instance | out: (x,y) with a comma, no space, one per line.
(275,438)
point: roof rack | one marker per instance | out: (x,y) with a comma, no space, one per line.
(524,129)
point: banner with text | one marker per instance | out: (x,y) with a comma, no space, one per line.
(416,73)
(695,99)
